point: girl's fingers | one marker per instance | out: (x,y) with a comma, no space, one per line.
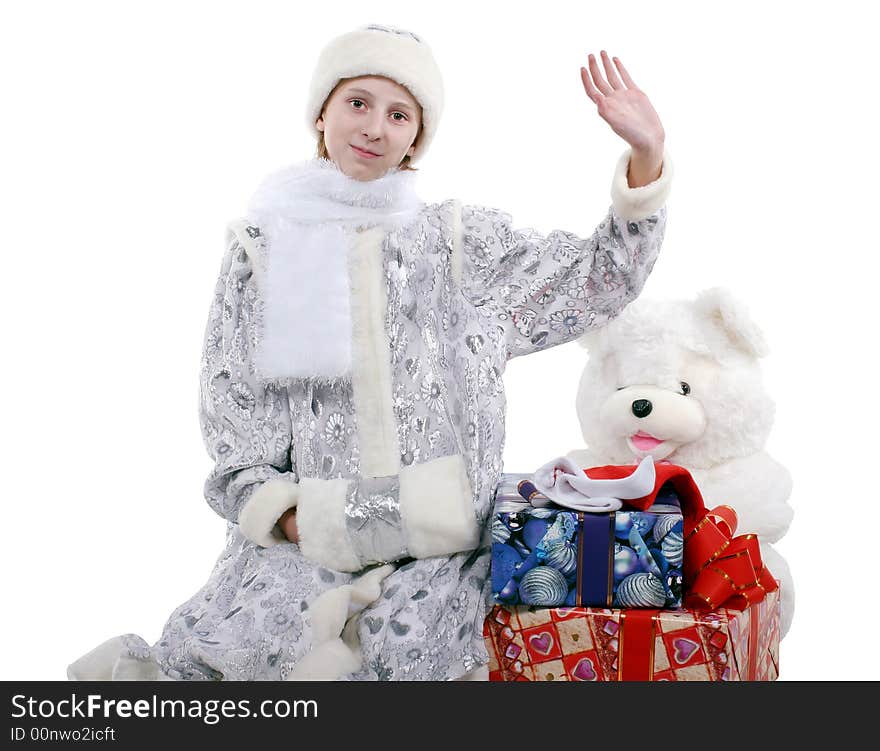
(597,77)
(630,84)
(610,72)
(588,86)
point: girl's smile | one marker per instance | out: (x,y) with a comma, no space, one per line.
(364,153)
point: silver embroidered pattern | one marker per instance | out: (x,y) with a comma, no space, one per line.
(251,620)
(372,518)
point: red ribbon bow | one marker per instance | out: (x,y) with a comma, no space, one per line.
(723,569)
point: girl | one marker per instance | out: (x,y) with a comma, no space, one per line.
(351,392)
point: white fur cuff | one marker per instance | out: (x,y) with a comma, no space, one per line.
(437,508)
(98,664)
(257,519)
(320,520)
(635,204)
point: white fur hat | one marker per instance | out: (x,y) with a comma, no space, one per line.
(381,51)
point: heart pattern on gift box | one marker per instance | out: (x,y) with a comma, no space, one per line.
(512,651)
(584,670)
(542,642)
(694,650)
(684,649)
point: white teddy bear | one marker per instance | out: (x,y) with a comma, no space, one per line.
(680,380)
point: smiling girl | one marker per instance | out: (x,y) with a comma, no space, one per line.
(351,384)
(353,128)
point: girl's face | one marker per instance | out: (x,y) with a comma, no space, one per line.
(370,124)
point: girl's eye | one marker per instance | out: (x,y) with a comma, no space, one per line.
(356,101)
(685,388)
(402,117)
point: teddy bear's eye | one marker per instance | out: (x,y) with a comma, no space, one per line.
(685,388)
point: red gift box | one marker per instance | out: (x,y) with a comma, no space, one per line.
(729,631)
(595,644)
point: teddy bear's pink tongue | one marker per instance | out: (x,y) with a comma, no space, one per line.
(644,441)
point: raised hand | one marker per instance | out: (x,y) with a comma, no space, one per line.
(629,112)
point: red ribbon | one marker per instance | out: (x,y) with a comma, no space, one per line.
(638,637)
(635,655)
(720,569)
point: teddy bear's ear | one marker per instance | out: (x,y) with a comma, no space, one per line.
(721,309)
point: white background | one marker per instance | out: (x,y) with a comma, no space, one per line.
(132,132)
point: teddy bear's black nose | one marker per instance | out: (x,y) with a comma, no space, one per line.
(642,407)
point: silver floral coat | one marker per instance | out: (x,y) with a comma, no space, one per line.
(456,294)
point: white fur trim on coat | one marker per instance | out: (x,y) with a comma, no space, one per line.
(110,661)
(254,247)
(635,204)
(371,379)
(320,521)
(257,518)
(336,648)
(98,664)
(437,508)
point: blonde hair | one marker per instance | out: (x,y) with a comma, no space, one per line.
(322,147)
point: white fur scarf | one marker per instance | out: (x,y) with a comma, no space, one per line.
(309,213)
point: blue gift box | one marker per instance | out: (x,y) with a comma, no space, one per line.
(550,556)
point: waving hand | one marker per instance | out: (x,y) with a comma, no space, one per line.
(629,112)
